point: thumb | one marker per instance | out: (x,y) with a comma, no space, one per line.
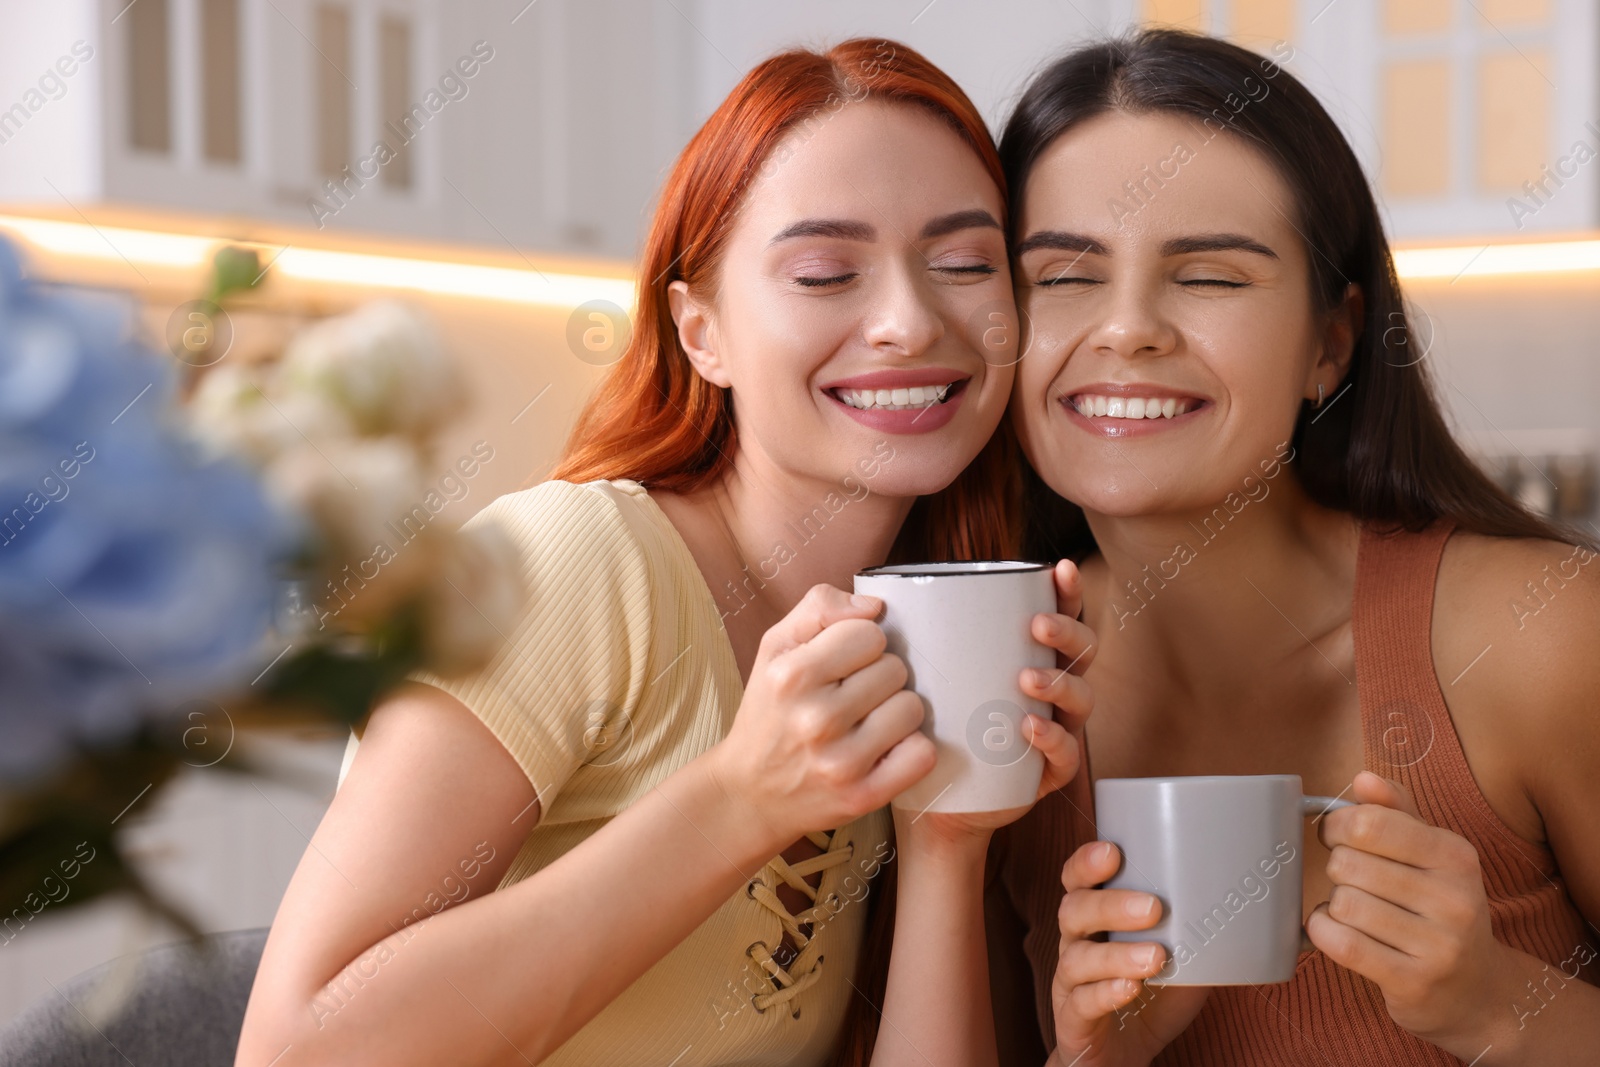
(1069,589)
(1370,788)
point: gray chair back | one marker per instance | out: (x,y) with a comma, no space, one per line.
(185,1008)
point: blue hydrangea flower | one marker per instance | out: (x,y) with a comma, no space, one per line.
(135,574)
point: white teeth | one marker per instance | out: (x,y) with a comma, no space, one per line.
(916,396)
(1136,407)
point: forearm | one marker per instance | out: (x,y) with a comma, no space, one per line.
(1548,1018)
(936,1006)
(508,977)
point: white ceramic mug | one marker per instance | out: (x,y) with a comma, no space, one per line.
(1223,854)
(963,630)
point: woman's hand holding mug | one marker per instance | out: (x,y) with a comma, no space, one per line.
(1064,687)
(1096,980)
(827,731)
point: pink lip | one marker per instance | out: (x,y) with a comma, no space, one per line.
(1123,428)
(923,420)
(898,379)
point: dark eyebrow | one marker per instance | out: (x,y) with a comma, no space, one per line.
(1067,242)
(959,220)
(842,229)
(1216,242)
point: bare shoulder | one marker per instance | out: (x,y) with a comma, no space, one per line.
(1538,601)
(1516,641)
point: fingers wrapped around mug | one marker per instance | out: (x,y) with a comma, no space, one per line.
(1086,910)
(1409,911)
(1097,977)
(1071,695)
(1073,640)
(1062,756)
(1074,645)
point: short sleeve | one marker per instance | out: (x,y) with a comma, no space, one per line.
(582,644)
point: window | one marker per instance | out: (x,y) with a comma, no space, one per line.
(149,78)
(1467,98)
(333,89)
(1188,13)
(1416,16)
(219,79)
(394,67)
(1518,13)
(1513,117)
(1258,23)
(1416,128)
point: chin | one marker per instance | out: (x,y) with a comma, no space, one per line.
(903,477)
(1113,495)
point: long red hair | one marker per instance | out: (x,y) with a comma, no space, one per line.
(654,419)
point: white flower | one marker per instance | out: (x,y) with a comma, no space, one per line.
(352,489)
(223,412)
(232,413)
(382,364)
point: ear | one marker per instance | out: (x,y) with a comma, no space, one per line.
(1340,332)
(696,333)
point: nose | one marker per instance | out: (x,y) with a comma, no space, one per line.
(1132,323)
(903,320)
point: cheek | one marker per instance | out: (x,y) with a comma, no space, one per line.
(1030,392)
(1053,331)
(1261,363)
(999,387)
(772,345)
(1042,362)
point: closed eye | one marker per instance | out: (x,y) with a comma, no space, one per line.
(978,268)
(817,283)
(1066,279)
(1216,282)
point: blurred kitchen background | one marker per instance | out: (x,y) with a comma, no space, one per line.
(523,142)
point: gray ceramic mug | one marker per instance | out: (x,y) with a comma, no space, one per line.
(1222,853)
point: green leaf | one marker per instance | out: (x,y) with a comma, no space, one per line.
(233,268)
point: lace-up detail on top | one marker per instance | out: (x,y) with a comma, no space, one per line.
(795,963)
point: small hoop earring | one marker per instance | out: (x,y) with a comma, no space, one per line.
(1319,396)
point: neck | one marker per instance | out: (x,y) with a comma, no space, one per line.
(768,535)
(1247,584)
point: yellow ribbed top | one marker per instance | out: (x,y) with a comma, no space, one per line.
(618,673)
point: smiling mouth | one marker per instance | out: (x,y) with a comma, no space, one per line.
(911,398)
(1098,406)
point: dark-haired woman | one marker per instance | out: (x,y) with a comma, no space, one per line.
(1292,568)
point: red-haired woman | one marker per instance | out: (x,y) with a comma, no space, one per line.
(644,833)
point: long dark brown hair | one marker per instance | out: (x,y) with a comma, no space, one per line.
(1380,449)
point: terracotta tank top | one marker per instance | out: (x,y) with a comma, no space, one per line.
(1327,1014)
